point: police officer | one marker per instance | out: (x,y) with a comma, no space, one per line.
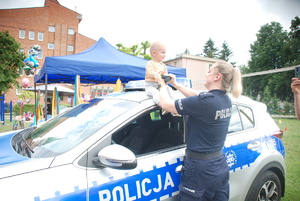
(206,174)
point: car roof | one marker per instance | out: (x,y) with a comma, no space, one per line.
(135,96)
(244,100)
(140,96)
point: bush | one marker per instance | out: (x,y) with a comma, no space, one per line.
(288,108)
(273,106)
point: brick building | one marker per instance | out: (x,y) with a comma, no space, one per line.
(52,26)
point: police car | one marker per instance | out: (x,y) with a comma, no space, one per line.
(121,147)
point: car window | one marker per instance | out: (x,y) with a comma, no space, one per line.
(235,121)
(150,132)
(241,119)
(67,130)
(246,116)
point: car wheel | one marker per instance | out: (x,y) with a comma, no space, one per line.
(266,187)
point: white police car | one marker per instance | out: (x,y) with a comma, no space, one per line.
(119,147)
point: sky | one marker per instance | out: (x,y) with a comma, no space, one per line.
(178,24)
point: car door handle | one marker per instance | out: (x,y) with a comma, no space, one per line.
(254,145)
(179,168)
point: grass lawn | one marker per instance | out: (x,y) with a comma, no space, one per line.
(291,140)
(8,126)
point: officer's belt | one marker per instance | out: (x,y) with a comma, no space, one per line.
(202,156)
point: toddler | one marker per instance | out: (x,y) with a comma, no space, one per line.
(156,65)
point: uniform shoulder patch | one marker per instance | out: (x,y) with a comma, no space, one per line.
(206,94)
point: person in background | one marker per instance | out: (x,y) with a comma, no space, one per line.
(295,85)
(49,106)
(48,111)
(205,174)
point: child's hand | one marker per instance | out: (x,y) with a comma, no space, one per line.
(158,78)
(162,72)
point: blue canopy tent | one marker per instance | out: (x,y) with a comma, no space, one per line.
(101,63)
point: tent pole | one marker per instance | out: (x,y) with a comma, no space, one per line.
(35,106)
(46,96)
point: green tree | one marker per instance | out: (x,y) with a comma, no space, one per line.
(292,47)
(147,56)
(26,96)
(271,102)
(11,59)
(273,106)
(267,52)
(136,50)
(123,49)
(288,108)
(209,49)
(119,46)
(186,51)
(266,97)
(225,53)
(145,46)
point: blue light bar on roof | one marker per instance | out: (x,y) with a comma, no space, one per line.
(140,84)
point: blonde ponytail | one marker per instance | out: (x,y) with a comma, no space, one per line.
(236,85)
(232,79)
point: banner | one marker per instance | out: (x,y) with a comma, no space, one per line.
(55,106)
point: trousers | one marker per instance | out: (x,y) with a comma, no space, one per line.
(204,180)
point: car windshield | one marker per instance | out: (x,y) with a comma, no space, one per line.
(67,130)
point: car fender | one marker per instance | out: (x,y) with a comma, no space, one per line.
(247,175)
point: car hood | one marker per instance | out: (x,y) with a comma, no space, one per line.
(11,163)
(7,153)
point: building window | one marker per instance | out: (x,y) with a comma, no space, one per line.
(51,28)
(40,36)
(71,31)
(31,35)
(22,34)
(70,48)
(50,45)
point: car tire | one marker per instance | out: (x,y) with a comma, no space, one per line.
(266,186)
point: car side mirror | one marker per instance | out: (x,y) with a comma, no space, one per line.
(115,156)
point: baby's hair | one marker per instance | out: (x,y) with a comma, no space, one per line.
(232,79)
(155,46)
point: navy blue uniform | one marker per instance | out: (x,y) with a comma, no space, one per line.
(208,117)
